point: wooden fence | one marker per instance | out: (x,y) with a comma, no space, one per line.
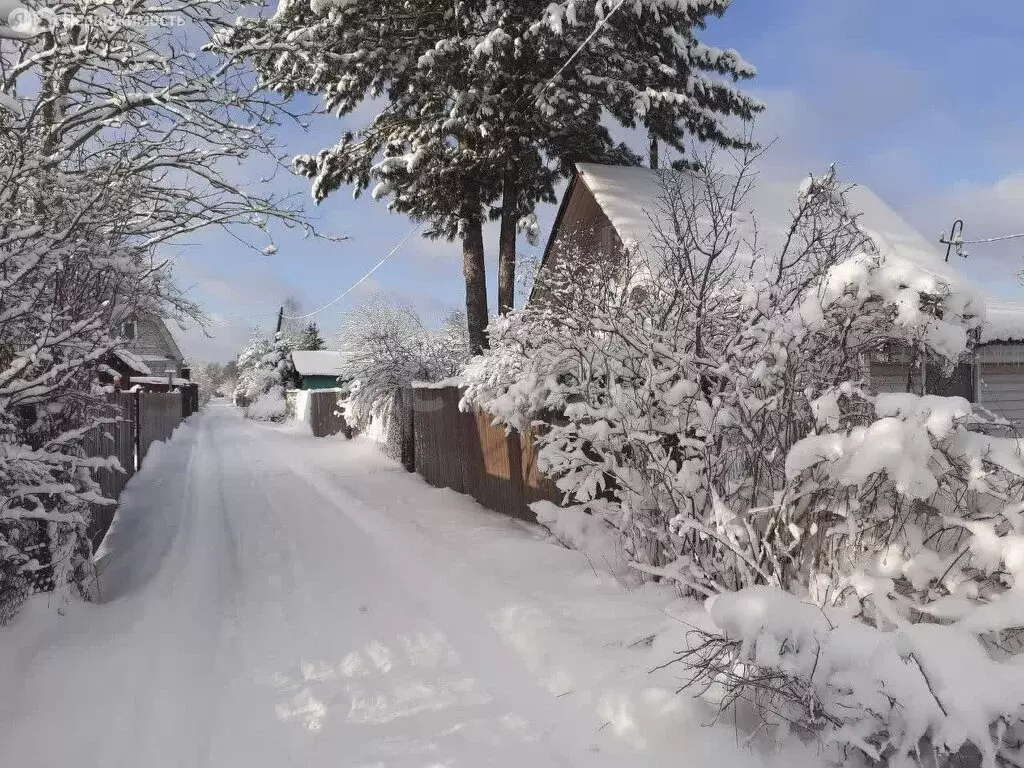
(189,400)
(465,452)
(325,414)
(142,418)
(159,414)
(118,440)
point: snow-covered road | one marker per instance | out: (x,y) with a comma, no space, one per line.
(274,600)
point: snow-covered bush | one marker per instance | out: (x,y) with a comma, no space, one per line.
(387,346)
(934,692)
(115,137)
(679,377)
(269,405)
(265,371)
(708,400)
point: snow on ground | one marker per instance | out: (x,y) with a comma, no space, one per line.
(276,600)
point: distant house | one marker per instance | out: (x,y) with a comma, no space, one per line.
(147,338)
(609,208)
(319,369)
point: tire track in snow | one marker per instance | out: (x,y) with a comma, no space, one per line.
(499,666)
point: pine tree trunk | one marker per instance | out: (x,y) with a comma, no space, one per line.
(507,246)
(474,271)
(653,156)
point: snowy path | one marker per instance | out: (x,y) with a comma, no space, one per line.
(273,600)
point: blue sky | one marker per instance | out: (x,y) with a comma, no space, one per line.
(921,100)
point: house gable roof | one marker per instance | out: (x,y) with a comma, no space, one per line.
(321,362)
(165,333)
(631,197)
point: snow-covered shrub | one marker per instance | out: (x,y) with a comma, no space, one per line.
(268,406)
(677,378)
(387,346)
(918,693)
(265,371)
(709,400)
(115,137)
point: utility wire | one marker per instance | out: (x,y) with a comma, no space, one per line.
(358,282)
(991,239)
(597,28)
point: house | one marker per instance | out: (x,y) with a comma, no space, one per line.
(607,209)
(147,338)
(999,370)
(117,367)
(319,369)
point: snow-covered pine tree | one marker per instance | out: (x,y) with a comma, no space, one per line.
(310,339)
(484,105)
(265,372)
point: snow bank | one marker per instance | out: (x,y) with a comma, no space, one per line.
(577,529)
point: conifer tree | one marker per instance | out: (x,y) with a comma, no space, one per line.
(489,102)
(310,339)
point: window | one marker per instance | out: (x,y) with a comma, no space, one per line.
(127,330)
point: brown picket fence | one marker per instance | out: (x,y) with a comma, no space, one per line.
(464,451)
(141,418)
(118,440)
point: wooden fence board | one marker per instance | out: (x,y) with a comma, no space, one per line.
(467,453)
(189,400)
(159,414)
(325,416)
(117,440)
(536,485)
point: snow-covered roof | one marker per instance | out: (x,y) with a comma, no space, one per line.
(132,361)
(631,198)
(177,382)
(321,362)
(1004,322)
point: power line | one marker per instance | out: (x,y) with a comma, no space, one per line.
(358,282)
(993,239)
(579,50)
